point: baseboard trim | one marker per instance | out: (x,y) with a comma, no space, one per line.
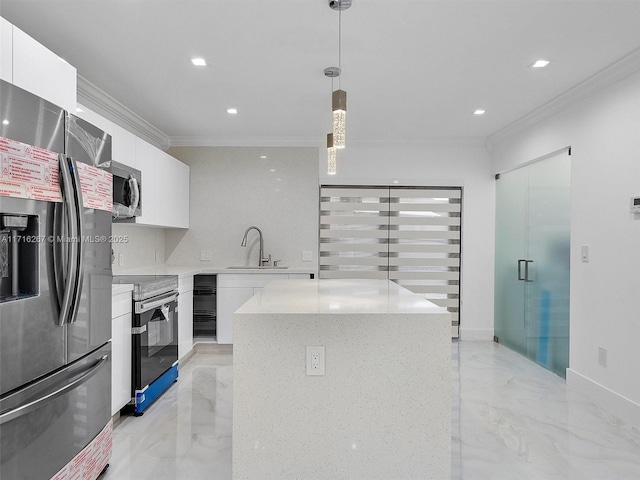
(476,334)
(610,401)
(210,347)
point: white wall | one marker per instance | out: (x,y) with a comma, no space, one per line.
(440,165)
(604,133)
(233,188)
(138,245)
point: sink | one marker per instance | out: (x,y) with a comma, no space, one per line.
(246,267)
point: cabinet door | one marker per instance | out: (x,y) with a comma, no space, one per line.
(185,323)
(6,51)
(165,188)
(148,161)
(120,362)
(123,146)
(43,73)
(94,119)
(229,300)
(178,188)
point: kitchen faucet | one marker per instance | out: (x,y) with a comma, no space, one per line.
(261,260)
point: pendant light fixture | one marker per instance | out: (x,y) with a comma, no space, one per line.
(331,155)
(339,96)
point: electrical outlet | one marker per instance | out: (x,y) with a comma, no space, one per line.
(205,255)
(602,356)
(315,360)
(307,256)
(121,259)
(157,256)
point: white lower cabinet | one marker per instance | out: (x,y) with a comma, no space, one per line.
(185,316)
(233,290)
(120,351)
(229,300)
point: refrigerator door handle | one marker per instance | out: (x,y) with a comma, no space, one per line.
(68,198)
(60,254)
(35,404)
(79,260)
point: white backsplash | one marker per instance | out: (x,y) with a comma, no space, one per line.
(233,188)
(138,245)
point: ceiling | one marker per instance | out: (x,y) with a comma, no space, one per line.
(414,70)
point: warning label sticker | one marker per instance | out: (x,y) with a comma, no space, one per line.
(32,172)
(28,172)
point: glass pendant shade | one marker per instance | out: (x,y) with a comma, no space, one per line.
(331,155)
(339,108)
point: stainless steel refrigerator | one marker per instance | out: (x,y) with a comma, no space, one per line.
(55,288)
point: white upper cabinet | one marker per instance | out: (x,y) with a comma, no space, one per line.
(43,73)
(123,146)
(165,188)
(6,50)
(177,185)
(94,119)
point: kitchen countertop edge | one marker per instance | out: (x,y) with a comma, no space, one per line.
(118,288)
(190,270)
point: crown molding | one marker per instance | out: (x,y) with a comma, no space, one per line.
(320,142)
(206,141)
(103,104)
(627,65)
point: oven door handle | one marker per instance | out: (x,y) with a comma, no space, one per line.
(142,307)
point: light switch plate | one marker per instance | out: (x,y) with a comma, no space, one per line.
(584,253)
(205,255)
(307,256)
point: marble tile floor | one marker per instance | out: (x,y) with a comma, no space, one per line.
(511,419)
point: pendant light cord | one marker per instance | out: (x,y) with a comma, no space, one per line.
(339,45)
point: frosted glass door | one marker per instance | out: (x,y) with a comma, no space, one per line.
(548,245)
(532,261)
(511,245)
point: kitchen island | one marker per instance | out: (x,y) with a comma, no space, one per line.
(382,408)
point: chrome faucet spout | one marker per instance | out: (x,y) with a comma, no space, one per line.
(261,258)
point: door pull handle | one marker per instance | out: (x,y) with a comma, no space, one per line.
(526,271)
(520,277)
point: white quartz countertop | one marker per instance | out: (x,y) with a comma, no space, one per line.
(118,288)
(333,296)
(189,270)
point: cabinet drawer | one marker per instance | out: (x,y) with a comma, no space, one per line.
(185,284)
(120,304)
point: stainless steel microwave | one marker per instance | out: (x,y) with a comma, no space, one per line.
(127,192)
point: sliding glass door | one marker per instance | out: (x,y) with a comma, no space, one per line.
(532,261)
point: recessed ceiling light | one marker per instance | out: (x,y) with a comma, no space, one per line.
(479,111)
(232,111)
(5,122)
(540,64)
(272,170)
(199,62)
(263,156)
